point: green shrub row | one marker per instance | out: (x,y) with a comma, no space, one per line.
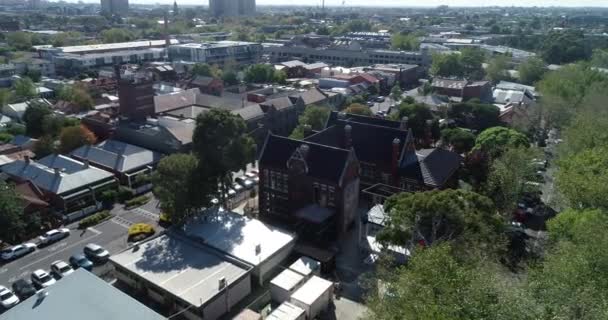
(94,219)
(137,201)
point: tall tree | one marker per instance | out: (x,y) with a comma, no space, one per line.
(202,69)
(357,108)
(446,65)
(222,146)
(531,71)
(75,137)
(396,92)
(583,178)
(474,115)
(313,116)
(497,69)
(466,219)
(25,89)
(461,140)
(419,118)
(495,141)
(180,188)
(11,213)
(403,41)
(33,117)
(562,47)
(117,35)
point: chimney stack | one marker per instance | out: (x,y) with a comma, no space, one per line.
(403,125)
(348,137)
(395,159)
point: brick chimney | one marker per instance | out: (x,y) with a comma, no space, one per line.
(395,158)
(348,138)
(403,125)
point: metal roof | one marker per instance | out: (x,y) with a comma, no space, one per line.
(81,295)
(287,279)
(305,266)
(113,46)
(179,267)
(117,155)
(311,290)
(286,311)
(239,236)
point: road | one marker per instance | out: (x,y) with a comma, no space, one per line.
(111,234)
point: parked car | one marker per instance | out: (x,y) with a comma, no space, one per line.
(61,269)
(7,298)
(23,289)
(245,182)
(371,104)
(96,253)
(380,99)
(17,251)
(53,236)
(41,279)
(81,261)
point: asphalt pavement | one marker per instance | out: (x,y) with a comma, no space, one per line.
(111,234)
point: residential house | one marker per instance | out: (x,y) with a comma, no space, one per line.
(207,85)
(165,134)
(125,160)
(312,188)
(71,186)
(462,90)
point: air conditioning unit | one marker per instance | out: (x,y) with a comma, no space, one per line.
(222,283)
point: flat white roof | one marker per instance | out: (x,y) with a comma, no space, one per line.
(114,46)
(305,266)
(179,267)
(312,290)
(286,311)
(238,235)
(287,279)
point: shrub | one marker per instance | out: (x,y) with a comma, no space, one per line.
(108,196)
(124,194)
(136,202)
(94,219)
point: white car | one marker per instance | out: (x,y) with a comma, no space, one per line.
(61,268)
(7,298)
(41,279)
(17,251)
(54,235)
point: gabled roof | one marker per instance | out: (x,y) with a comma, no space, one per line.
(30,194)
(117,155)
(372,143)
(176,100)
(449,84)
(431,166)
(181,130)
(311,96)
(250,112)
(278,103)
(323,162)
(56,173)
(316,65)
(335,115)
(293,63)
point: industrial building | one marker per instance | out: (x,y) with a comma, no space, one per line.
(217,52)
(232,8)
(115,7)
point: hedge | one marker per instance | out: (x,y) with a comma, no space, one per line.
(137,201)
(94,219)
(124,194)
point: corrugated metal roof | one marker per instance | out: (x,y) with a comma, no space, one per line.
(120,156)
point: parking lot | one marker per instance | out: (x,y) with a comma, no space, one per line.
(111,234)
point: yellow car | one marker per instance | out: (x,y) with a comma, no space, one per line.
(140,231)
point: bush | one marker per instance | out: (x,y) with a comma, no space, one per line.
(94,219)
(136,202)
(108,196)
(124,194)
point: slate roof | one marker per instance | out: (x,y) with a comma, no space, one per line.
(278,103)
(176,100)
(250,112)
(372,144)
(181,130)
(117,155)
(431,166)
(311,96)
(72,174)
(190,112)
(324,162)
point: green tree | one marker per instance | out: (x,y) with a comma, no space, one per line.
(466,219)
(531,71)
(314,116)
(408,42)
(600,58)
(78,95)
(116,35)
(396,92)
(508,176)
(75,137)
(25,89)
(357,108)
(230,78)
(260,73)
(497,69)
(202,69)
(222,145)
(495,141)
(436,285)
(474,115)
(461,140)
(11,213)
(33,117)
(447,65)
(279,77)
(419,115)
(44,146)
(471,61)
(19,40)
(583,178)
(562,47)
(5,96)
(179,187)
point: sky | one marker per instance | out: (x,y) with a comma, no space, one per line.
(416,3)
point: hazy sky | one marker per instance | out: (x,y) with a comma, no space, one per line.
(412,3)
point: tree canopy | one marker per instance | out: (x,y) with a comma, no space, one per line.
(583,178)
(357,108)
(467,64)
(117,35)
(461,140)
(531,71)
(313,116)
(33,117)
(264,73)
(11,212)
(466,219)
(419,118)
(497,69)
(474,115)
(562,47)
(25,89)
(495,141)
(402,41)
(75,137)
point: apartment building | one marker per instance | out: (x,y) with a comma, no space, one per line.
(217,52)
